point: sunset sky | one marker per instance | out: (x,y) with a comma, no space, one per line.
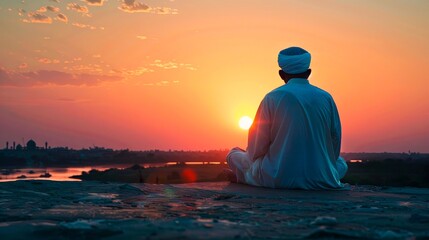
(179,74)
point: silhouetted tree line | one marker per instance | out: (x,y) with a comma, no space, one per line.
(64,157)
(390,172)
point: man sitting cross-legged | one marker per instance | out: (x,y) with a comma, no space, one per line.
(295,139)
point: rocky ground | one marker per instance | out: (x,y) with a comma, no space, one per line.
(90,210)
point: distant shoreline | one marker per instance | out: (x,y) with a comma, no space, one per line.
(65,157)
(390,169)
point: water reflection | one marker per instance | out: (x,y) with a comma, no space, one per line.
(58,174)
(64,173)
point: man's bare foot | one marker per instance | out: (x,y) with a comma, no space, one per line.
(229,174)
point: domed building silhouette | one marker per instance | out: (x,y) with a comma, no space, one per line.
(31,145)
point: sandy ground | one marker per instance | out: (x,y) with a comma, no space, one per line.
(93,210)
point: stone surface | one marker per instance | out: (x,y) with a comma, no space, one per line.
(90,210)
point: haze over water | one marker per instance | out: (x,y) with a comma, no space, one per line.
(180,74)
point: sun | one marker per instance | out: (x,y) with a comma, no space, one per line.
(245,122)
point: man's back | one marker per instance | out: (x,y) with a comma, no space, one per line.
(295,140)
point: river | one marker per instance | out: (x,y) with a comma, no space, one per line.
(64,173)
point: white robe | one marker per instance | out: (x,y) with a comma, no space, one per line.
(294,141)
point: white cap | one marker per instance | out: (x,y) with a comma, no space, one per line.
(294,60)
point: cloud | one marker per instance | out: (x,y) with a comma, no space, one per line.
(52,9)
(81,25)
(44,60)
(142,37)
(48,61)
(137,72)
(163,83)
(75,59)
(57,1)
(94,2)
(90,68)
(132,6)
(165,10)
(42,9)
(78,8)
(47,77)
(48,8)
(35,17)
(21,12)
(172,65)
(61,17)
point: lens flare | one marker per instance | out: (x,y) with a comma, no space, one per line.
(189,175)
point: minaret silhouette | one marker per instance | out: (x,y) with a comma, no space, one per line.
(7,145)
(13,145)
(46,145)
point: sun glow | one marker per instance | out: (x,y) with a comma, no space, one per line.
(245,122)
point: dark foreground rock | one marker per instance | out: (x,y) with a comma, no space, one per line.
(94,210)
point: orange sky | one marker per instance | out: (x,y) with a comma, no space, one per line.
(179,74)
